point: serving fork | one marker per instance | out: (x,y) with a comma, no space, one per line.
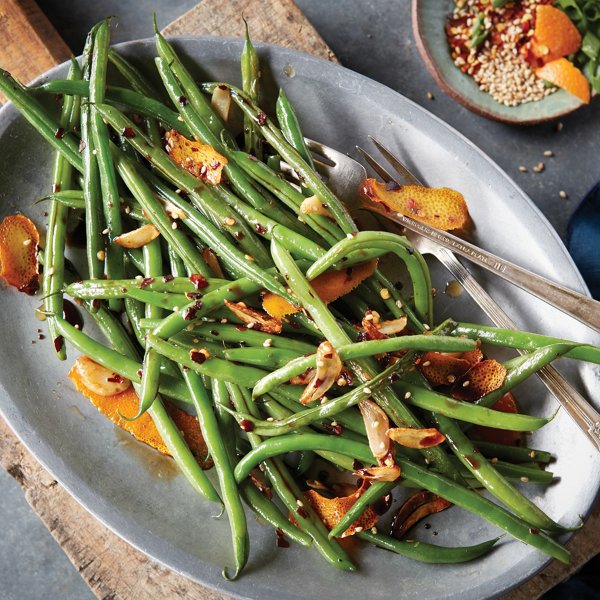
(344,175)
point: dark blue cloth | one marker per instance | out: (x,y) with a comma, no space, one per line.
(583,242)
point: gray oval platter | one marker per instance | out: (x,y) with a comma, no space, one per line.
(154,509)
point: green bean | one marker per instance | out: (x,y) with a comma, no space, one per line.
(37,115)
(428,553)
(251,74)
(465,411)
(493,481)
(325,410)
(518,454)
(120,96)
(287,194)
(157,215)
(359,350)
(393,243)
(289,493)
(53,276)
(260,357)
(267,511)
(195,188)
(194,95)
(310,178)
(201,131)
(435,483)
(108,180)
(524,341)
(251,337)
(219,454)
(522,473)
(290,126)
(212,367)
(152,359)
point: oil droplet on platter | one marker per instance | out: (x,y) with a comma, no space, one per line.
(453,289)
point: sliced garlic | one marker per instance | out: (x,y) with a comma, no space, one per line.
(99,379)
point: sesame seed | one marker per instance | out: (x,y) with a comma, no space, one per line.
(466,383)
(50,271)
(532,454)
(426,363)
(223,321)
(101,255)
(358,529)
(407,395)
(349,236)
(268,343)
(559,126)
(341,382)
(563,194)
(385,293)
(548,153)
(539,167)
(524,479)
(493,460)
(426,327)
(180,118)
(27,242)
(105,231)
(399,303)
(248,257)
(368,391)
(299,502)
(373,530)
(523,168)
(451,378)
(270,419)
(229,221)
(94,151)
(430,95)
(174,225)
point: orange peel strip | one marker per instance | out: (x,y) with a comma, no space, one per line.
(442,208)
(331,510)
(437,504)
(555,35)
(479,380)
(329,287)
(506,404)
(143,429)
(567,76)
(201,160)
(19,239)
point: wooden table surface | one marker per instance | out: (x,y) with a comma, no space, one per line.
(111,567)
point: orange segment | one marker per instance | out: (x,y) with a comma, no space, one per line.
(554,35)
(567,76)
(201,160)
(442,208)
(19,241)
(329,287)
(143,429)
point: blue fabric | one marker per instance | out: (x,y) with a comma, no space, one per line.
(583,239)
(583,242)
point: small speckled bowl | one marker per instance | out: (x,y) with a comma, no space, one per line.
(429,19)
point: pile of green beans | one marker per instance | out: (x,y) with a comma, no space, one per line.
(173,299)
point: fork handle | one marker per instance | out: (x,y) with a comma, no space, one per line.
(580,307)
(583,413)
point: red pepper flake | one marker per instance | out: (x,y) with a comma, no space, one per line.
(239,235)
(182,100)
(55,188)
(167,278)
(332,429)
(260,228)
(199,281)
(262,118)
(197,356)
(59,342)
(59,133)
(301,512)
(116,378)
(240,327)
(189,314)
(128,132)
(58,97)
(146,282)
(247,425)
(281,542)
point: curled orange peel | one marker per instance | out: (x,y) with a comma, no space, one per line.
(143,429)
(19,239)
(329,287)
(331,510)
(481,379)
(201,160)
(442,208)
